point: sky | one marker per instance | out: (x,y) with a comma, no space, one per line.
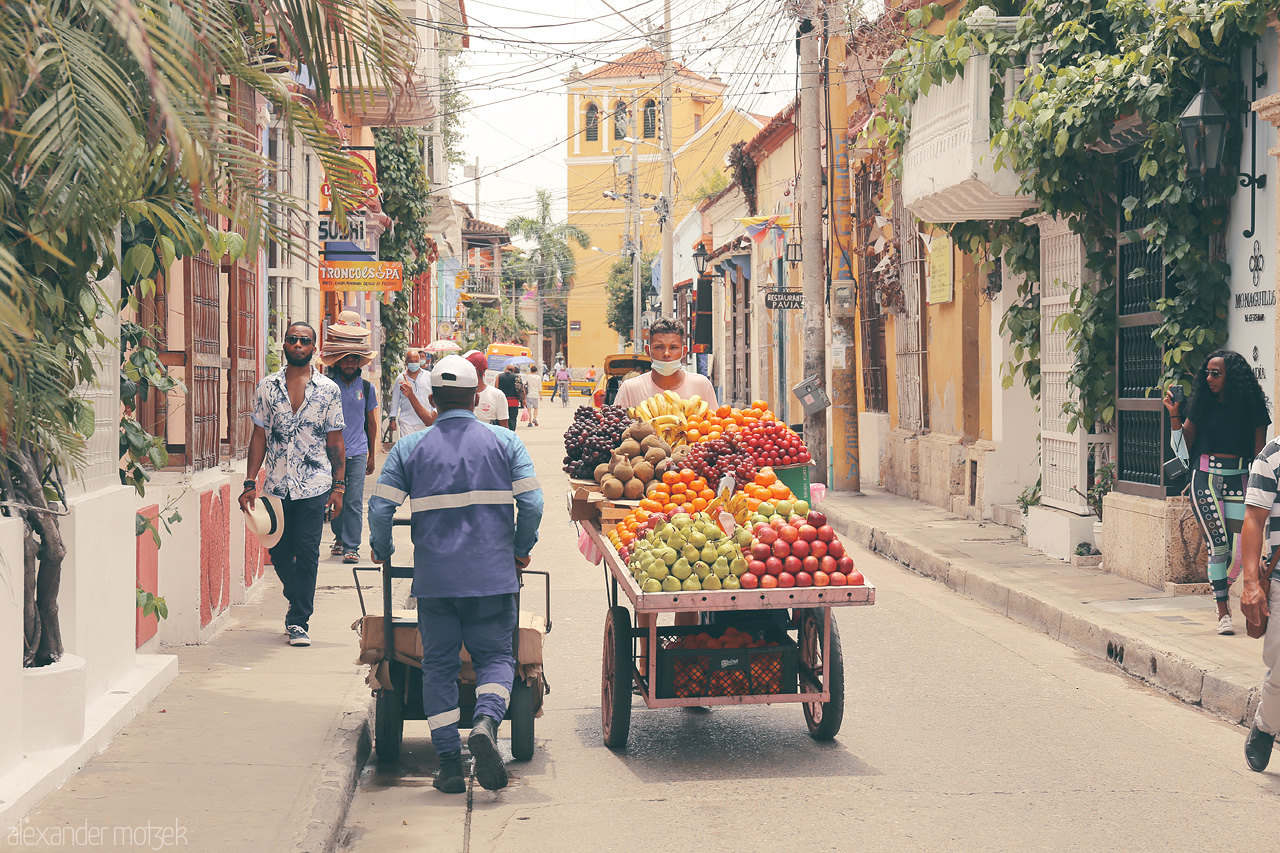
(518,59)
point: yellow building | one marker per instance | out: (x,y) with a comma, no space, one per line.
(606,105)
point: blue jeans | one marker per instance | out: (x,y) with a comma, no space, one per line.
(347,525)
(297,555)
(485,625)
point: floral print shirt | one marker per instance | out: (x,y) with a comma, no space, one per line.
(297,465)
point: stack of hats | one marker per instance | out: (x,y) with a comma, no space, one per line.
(346,337)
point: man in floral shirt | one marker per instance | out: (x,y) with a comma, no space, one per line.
(297,417)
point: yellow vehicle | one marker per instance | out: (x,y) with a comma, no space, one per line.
(500,355)
(617,366)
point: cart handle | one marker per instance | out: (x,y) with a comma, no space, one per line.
(546,577)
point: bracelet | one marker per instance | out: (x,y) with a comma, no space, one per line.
(251,484)
(340,487)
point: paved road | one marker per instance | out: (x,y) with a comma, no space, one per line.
(963,731)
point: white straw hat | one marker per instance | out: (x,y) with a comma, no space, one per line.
(266,520)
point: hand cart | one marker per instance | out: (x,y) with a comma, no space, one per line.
(808,670)
(398,667)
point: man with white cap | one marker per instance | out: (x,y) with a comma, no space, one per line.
(476,506)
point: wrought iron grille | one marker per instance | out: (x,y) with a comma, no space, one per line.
(909,340)
(243,352)
(1140,361)
(204,361)
(867,187)
(1140,451)
(1140,277)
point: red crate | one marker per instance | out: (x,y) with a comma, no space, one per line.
(688,673)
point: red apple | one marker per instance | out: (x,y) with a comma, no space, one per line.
(786,579)
(750,580)
(846,564)
(818,548)
(800,548)
(792,564)
(768,582)
(812,565)
(838,579)
(760,551)
(819,579)
(756,567)
(768,536)
(808,532)
(795,521)
(773,566)
(757,527)
(778,523)
(855,578)
(829,564)
(816,518)
(825,533)
(835,548)
(804,579)
(781,549)
(788,534)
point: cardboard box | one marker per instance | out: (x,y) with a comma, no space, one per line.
(409,641)
(584,504)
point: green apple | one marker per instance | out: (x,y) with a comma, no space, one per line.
(671,584)
(701,569)
(783,508)
(758,519)
(658,570)
(682,569)
(730,582)
(691,584)
(766,509)
(801,508)
(739,567)
(711,582)
(651,585)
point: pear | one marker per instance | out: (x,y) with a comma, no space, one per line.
(697,538)
(709,554)
(720,568)
(658,570)
(669,556)
(690,553)
(714,533)
(730,582)
(682,521)
(711,582)
(691,584)
(641,577)
(651,585)
(701,569)
(681,569)
(671,584)
(742,536)
(729,550)
(738,567)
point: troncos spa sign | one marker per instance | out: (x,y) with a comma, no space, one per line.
(361,275)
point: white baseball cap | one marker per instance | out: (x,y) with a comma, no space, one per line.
(454,371)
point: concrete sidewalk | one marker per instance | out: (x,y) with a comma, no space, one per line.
(255,746)
(1165,640)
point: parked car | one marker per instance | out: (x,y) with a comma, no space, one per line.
(617,366)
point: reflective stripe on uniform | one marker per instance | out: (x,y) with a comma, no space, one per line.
(494,688)
(391,493)
(459,500)
(528,484)
(446,718)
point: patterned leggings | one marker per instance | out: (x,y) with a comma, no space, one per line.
(1217,497)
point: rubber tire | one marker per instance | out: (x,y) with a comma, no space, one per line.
(520,713)
(388,725)
(823,719)
(616,678)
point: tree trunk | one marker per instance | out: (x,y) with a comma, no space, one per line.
(42,560)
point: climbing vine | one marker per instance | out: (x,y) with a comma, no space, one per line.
(1088,66)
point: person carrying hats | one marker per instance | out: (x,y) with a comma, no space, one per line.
(297,432)
(476,506)
(346,352)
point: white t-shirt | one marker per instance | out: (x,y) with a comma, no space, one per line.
(635,391)
(492,406)
(402,410)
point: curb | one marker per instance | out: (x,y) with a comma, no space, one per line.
(1083,629)
(346,751)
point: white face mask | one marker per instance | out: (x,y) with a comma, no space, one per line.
(413,367)
(666,368)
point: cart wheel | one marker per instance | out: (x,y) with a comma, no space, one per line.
(521,715)
(823,718)
(388,724)
(616,678)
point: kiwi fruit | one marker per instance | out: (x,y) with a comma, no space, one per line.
(643,471)
(623,471)
(633,490)
(601,471)
(654,455)
(650,441)
(612,488)
(630,448)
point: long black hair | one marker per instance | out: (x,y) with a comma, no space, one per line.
(1241,393)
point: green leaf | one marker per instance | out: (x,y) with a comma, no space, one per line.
(1060,142)
(138,261)
(1188,36)
(168,254)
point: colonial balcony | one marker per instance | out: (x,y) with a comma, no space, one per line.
(949,172)
(478,283)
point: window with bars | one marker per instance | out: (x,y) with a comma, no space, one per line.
(593,123)
(650,119)
(867,187)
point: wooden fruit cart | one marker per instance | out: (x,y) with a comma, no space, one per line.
(808,670)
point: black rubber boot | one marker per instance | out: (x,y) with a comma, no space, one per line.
(491,773)
(1257,748)
(449,777)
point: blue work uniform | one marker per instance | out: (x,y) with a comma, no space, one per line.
(476,506)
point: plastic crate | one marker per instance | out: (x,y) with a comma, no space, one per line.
(795,478)
(690,673)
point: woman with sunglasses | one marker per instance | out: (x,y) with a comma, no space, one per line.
(1225,427)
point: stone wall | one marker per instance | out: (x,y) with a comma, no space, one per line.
(1152,541)
(942,469)
(900,464)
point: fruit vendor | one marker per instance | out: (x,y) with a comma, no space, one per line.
(476,506)
(667,349)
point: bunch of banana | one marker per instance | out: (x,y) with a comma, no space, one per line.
(735,504)
(668,405)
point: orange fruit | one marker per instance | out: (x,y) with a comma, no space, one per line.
(641,515)
(759,404)
(678,489)
(699,504)
(778,490)
(724,411)
(766,477)
(707,494)
(694,434)
(669,508)
(671,477)
(686,476)
(753,503)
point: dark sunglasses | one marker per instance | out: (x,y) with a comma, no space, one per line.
(298,339)
(1214,373)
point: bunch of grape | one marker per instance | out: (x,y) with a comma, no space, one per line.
(719,456)
(592,438)
(773,443)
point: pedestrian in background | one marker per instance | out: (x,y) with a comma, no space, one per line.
(563,376)
(346,352)
(1225,427)
(410,410)
(509,385)
(533,395)
(476,505)
(297,433)
(492,407)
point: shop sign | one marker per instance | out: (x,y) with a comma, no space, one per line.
(366,176)
(785,300)
(378,276)
(940,270)
(575,328)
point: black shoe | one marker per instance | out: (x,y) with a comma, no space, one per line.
(1257,748)
(491,773)
(449,776)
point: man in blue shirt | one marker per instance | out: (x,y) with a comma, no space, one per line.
(346,352)
(476,506)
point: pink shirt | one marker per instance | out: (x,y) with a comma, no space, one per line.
(635,391)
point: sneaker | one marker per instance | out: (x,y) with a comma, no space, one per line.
(297,635)
(491,773)
(1224,625)
(351,557)
(337,549)
(449,776)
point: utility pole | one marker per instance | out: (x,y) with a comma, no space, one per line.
(813,261)
(633,228)
(667,212)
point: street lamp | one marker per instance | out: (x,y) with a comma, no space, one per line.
(700,258)
(1203,126)
(793,253)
